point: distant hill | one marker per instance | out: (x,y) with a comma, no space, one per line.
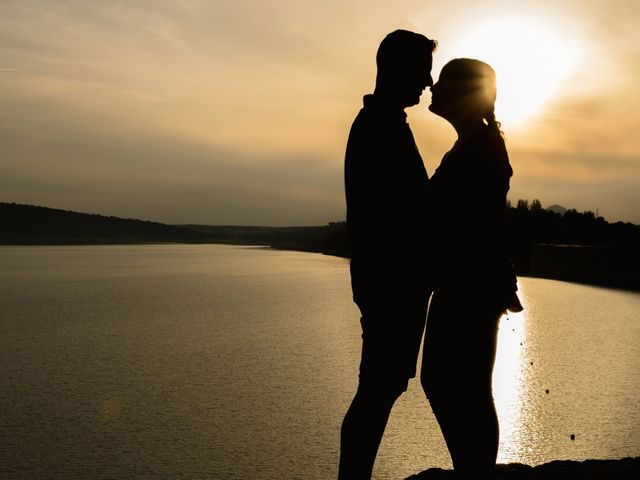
(557,209)
(33,225)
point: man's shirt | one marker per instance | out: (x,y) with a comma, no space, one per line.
(385,185)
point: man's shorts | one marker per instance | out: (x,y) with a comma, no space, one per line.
(393,321)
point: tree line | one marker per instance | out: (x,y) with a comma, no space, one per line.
(529,225)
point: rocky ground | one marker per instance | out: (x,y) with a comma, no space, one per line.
(624,469)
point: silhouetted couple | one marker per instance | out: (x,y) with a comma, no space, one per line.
(412,236)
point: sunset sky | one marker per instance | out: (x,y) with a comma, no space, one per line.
(237,112)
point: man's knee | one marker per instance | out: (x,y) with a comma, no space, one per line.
(435,386)
(381,391)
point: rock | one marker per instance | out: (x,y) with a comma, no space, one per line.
(623,469)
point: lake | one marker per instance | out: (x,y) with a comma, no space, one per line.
(226,362)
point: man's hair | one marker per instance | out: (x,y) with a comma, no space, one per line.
(401,48)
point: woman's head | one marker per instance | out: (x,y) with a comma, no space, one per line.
(465,93)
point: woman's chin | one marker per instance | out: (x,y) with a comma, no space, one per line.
(437,110)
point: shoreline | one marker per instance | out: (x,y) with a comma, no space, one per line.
(548,271)
(574,247)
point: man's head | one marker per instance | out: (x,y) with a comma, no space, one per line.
(404,62)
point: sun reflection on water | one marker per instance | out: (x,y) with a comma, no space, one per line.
(508,378)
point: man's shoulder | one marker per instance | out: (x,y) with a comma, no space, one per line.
(374,123)
(366,124)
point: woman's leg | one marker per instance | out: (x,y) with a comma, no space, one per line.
(458,358)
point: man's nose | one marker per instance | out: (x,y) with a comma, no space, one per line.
(430,81)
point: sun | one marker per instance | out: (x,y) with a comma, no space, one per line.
(532,62)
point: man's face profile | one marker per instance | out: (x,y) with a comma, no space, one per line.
(415,80)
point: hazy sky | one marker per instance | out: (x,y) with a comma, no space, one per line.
(237,112)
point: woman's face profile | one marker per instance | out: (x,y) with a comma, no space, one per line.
(457,96)
(446,93)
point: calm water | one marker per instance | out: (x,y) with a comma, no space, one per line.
(221,362)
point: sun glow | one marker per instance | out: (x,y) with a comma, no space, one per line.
(532,63)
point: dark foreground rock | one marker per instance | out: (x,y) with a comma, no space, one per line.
(626,468)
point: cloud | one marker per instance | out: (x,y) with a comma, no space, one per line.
(70,160)
(237,112)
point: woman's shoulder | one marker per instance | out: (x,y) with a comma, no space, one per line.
(493,149)
(488,138)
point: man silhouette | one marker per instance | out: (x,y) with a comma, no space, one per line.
(385,186)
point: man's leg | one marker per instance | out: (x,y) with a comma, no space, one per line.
(362,430)
(392,325)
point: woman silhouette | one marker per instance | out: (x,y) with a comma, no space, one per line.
(475,282)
